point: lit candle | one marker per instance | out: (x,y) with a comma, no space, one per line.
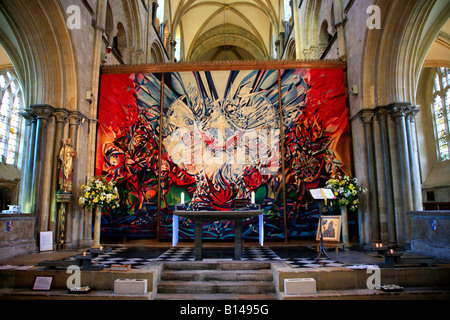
(101,248)
(381,245)
(377,245)
(392,251)
(85,254)
(253,197)
(182,198)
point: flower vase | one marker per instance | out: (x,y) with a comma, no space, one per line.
(97,226)
(345,227)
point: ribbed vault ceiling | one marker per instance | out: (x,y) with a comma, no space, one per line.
(224,29)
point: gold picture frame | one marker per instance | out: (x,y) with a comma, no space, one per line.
(331,228)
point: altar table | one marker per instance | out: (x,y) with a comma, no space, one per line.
(201,216)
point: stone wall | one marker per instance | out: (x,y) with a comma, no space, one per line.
(431,233)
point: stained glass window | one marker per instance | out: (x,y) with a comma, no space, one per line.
(10,120)
(441,112)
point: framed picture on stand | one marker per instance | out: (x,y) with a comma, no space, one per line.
(331,228)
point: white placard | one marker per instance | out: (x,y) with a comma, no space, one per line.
(46,241)
(319,194)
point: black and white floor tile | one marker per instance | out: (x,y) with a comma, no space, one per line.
(312,263)
(139,259)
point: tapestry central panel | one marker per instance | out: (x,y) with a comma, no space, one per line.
(214,136)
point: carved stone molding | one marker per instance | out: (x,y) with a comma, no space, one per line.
(381,113)
(42,112)
(76,118)
(399,109)
(29,117)
(61,115)
(366,116)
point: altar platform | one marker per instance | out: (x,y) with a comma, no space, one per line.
(173,273)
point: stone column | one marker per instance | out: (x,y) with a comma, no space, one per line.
(73,221)
(373,221)
(386,198)
(297,30)
(61,116)
(399,111)
(339,19)
(28,198)
(43,114)
(413,158)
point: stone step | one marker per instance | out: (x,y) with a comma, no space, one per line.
(217,275)
(214,287)
(215,297)
(204,265)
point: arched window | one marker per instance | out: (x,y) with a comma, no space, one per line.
(11,103)
(441,112)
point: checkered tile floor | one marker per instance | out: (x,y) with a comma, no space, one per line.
(139,259)
(248,254)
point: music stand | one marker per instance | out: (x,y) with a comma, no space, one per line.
(321,194)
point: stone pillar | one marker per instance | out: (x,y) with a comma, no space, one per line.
(43,114)
(297,30)
(373,221)
(414,158)
(397,183)
(385,199)
(61,116)
(399,111)
(73,221)
(339,19)
(28,198)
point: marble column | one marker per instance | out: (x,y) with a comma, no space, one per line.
(366,117)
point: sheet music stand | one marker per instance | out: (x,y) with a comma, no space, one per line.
(321,194)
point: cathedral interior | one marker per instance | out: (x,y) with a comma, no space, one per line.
(82,70)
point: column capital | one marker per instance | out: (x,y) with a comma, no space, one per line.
(42,111)
(76,118)
(61,115)
(399,109)
(381,113)
(29,117)
(413,111)
(366,116)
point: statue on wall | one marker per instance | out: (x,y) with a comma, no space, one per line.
(66,156)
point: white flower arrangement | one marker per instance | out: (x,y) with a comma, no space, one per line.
(347,190)
(99,192)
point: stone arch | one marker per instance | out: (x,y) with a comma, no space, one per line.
(394,55)
(310,32)
(290,50)
(236,36)
(157,53)
(45,61)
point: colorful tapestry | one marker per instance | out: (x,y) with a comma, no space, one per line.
(223,137)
